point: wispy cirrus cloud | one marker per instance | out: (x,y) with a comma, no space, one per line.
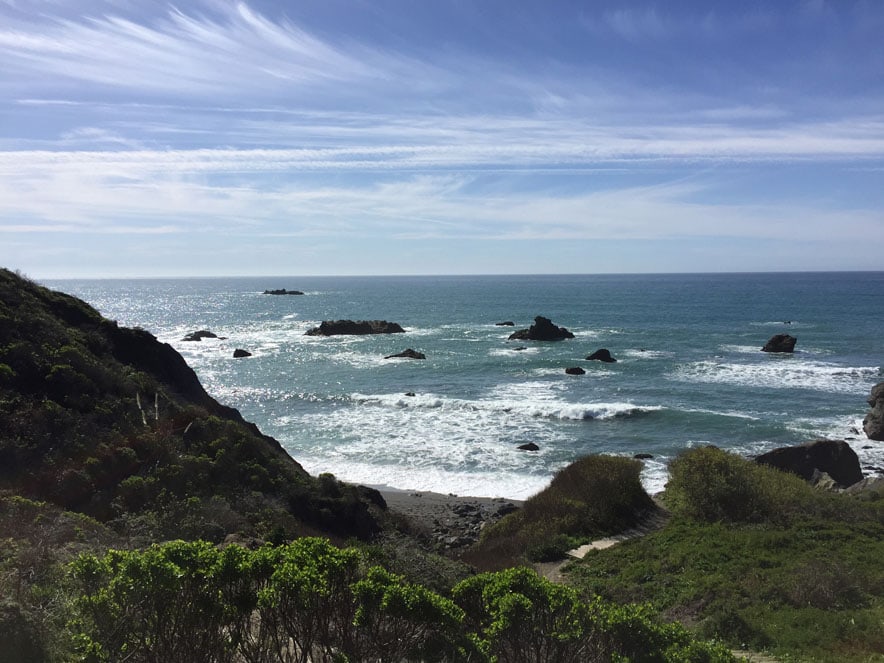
(228,54)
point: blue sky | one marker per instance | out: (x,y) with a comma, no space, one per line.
(215,137)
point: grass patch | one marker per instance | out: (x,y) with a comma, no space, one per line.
(757,558)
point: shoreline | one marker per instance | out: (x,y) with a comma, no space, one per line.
(449,521)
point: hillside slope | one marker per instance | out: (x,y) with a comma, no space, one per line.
(109,422)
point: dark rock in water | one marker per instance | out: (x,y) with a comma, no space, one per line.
(508,323)
(574,370)
(239,352)
(643,456)
(407,354)
(602,354)
(199,335)
(283,291)
(542,330)
(355,328)
(873,424)
(520,348)
(780,343)
(410,393)
(834,457)
(528,446)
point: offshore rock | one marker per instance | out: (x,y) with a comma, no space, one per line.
(283,291)
(199,335)
(574,370)
(873,424)
(602,354)
(780,343)
(528,446)
(240,353)
(542,330)
(355,328)
(407,354)
(833,457)
(507,323)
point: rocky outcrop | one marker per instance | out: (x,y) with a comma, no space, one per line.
(780,343)
(542,330)
(602,354)
(507,323)
(240,353)
(873,424)
(283,291)
(832,457)
(574,370)
(199,335)
(355,328)
(407,354)
(528,446)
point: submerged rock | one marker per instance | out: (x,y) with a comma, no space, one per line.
(574,370)
(355,328)
(542,330)
(780,343)
(832,457)
(239,353)
(508,323)
(528,446)
(602,354)
(873,424)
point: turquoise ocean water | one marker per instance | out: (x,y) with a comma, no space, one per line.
(689,370)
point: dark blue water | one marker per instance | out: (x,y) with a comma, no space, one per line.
(689,369)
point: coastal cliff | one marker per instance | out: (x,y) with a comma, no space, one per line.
(107,421)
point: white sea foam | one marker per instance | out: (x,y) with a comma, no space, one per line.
(790,372)
(639,353)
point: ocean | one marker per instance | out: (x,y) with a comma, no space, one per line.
(689,368)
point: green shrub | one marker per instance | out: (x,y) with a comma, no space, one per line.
(712,485)
(594,496)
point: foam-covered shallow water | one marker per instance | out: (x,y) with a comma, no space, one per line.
(689,371)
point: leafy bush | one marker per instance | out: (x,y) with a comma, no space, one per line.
(594,496)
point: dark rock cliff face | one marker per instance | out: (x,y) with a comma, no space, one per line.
(834,457)
(873,424)
(108,421)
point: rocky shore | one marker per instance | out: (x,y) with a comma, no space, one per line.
(450,522)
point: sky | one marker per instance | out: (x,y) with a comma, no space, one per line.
(140,138)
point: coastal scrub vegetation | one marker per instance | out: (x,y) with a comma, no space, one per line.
(758,558)
(594,496)
(311,601)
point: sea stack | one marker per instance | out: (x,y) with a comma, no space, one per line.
(780,343)
(542,330)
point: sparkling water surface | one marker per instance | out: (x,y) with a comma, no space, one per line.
(689,368)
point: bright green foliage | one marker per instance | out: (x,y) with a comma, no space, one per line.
(160,604)
(519,617)
(307,601)
(310,601)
